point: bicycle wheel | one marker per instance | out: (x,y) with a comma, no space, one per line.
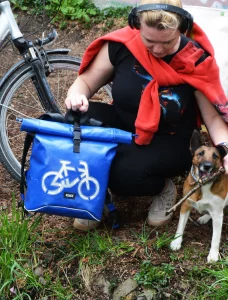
(19,99)
(88,189)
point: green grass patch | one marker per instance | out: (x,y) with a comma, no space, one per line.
(218,289)
(95,248)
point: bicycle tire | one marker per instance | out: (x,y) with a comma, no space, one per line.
(18,99)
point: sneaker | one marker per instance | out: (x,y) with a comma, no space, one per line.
(161,203)
(84,224)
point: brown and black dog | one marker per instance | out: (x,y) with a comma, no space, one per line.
(210,198)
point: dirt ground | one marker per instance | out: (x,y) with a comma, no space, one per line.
(132,210)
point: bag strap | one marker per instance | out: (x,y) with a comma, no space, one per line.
(76,118)
(54,117)
(27,143)
(77,138)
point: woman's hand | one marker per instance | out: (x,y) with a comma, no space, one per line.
(77,102)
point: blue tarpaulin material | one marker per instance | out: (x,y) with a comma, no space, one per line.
(94,133)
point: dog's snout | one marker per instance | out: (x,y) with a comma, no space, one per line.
(206,166)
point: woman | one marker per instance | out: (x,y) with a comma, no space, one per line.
(163,84)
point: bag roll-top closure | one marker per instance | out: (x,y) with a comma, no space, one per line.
(96,133)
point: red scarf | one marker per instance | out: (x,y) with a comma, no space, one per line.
(204,77)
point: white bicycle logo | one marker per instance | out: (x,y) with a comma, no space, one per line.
(61,180)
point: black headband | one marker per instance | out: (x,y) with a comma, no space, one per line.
(166,7)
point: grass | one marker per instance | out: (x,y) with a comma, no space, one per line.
(219,287)
(23,251)
(65,268)
(17,238)
(97,247)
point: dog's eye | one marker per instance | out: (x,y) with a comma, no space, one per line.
(215,156)
(201,153)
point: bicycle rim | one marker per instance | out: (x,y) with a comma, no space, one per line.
(19,99)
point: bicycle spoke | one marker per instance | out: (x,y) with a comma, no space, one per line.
(35,98)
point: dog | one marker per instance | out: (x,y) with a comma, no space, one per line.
(210,198)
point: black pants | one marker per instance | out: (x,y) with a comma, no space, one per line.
(141,170)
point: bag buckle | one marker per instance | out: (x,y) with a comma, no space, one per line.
(77,139)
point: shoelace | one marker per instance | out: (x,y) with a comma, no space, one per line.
(161,202)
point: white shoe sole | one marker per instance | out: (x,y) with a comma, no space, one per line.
(83,227)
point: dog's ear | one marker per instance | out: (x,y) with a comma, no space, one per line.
(195,142)
(223,151)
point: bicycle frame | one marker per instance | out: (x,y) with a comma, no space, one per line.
(8,23)
(31,54)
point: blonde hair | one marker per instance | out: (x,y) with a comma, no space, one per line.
(161,19)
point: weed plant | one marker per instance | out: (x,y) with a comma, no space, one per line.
(83,11)
(144,236)
(154,276)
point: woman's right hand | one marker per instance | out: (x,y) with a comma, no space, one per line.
(77,102)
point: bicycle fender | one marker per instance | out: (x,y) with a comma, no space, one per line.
(58,51)
(13,69)
(22,62)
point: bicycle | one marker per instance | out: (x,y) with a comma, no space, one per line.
(36,84)
(54,182)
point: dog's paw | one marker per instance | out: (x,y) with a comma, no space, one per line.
(176,244)
(204,219)
(213,256)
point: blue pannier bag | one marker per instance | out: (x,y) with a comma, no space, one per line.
(69,167)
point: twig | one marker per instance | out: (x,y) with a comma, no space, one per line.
(195,223)
(136,251)
(221,170)
(198,184)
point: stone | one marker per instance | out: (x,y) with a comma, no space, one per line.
(125,288)
(149,294)
(39,271)
(102,282)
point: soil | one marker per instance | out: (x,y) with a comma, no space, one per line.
(132,210)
